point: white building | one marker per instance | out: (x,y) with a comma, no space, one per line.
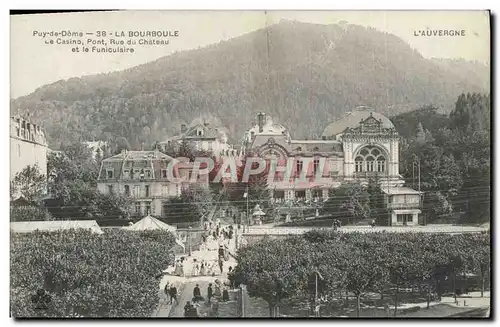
(359,146)
(28,146)
(144,177)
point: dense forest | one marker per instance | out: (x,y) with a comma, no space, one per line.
(289,70)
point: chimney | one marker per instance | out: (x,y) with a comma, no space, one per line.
(261,118)
(183,128)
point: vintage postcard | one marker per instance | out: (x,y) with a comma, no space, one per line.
(244,164)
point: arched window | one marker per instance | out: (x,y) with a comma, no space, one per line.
(370,159)
(380,164)
(359,164)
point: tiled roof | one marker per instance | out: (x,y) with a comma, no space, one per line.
(352,119)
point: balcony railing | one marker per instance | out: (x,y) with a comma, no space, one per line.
(403,205)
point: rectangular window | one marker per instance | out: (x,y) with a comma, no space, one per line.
(316,193)
(147,190)
(110,189)
(299,166)
(409,218)
(148,208)
(109,173)
(300,194)
(163,173)
(399,218)
(278,194)
(137,191)
(137,207)
(164,191)
(178,189)
(148,173)
(315,166)
(127,190)
(18,132)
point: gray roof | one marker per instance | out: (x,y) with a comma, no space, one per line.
(315,146)
(352,119)
(54,226)
(154,160)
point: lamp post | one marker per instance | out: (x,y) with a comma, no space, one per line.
(416,166)
(247,217)
(189,240)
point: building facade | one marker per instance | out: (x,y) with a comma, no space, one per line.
(359,146)
(28,146)
(202,137)
(148,178)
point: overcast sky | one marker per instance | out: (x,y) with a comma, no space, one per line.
(34,64)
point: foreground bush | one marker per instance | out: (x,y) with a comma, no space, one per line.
(88,275)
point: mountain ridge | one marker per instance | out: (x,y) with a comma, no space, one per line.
(288,70)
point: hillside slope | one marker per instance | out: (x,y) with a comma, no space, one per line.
(302,74)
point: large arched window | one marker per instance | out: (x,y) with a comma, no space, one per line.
(370,159)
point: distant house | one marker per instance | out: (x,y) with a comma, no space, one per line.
(403,204)
(148,178)
(97,148)
(202,137)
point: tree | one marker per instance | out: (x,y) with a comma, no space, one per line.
(79,270)
(269,277)
(82,201)
(481,257)
(376,202)
(29,183)
(73,186)
(182,209)
(357,202)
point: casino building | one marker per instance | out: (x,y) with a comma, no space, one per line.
(359,146)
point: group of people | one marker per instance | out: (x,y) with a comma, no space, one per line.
(203,268)
(190,309)
(171,293)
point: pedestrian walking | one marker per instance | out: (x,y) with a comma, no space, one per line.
(173,294)
(197,294)
(188,309)
(373,223)
(166,289)
(203,270)
(210,292)
(225,295)
(221,265)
